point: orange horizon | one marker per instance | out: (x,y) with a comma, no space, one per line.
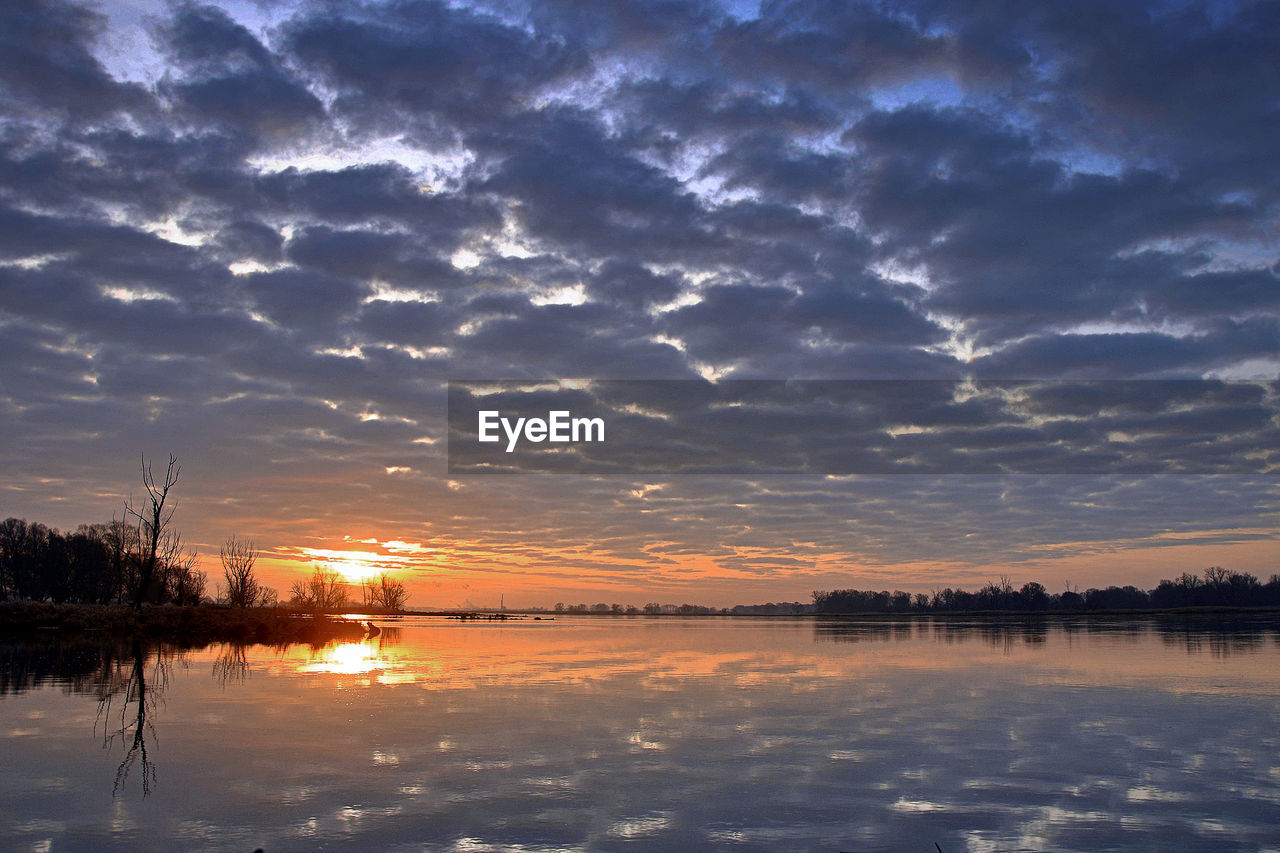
(463,576)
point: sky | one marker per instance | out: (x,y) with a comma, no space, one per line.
(264,237)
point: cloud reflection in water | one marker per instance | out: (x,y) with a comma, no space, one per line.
(594,734)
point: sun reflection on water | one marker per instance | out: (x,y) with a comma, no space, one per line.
(345,659)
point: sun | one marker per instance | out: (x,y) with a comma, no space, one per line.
(355,566)
(354,571)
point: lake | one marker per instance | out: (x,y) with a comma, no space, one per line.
(680,734)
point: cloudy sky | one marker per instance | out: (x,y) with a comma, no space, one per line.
(263,237)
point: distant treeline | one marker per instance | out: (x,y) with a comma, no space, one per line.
(1216,587)
(656,609)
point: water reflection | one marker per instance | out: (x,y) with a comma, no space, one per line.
(231,666)
(345,659)
(1220,634)
(78,666)
(127,679)
(127,700)
(656,734)
(353,658)
(1222,637)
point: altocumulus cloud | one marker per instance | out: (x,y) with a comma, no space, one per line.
(264,238)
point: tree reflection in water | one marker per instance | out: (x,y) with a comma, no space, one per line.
(128,694)
(128,679)
(1221,633)
(232,664)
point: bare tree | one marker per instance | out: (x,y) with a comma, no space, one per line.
(121,539)
(152,518)
(386,593)
(238,557)
(324,590)
(179,579)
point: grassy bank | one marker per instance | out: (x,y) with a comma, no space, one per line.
(180,625)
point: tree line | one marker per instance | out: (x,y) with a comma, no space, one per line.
(653,608)
(105,563)
(1215,587)
(141,558)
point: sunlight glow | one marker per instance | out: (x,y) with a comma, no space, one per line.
(574,295)
(436,169)
(136,294)
(465,259)
(345,659)
(354,566)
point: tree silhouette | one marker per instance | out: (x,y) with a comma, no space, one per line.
(238,557)
(153,519)
(324,590)
(386,593)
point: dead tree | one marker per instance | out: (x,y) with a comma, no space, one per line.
(152,518)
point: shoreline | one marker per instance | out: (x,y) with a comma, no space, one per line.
(1207,611)
(183,625)
(210,623)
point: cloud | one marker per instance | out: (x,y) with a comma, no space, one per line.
(48,64)
(271,245)
(231,80)
(909,427)
(424,65)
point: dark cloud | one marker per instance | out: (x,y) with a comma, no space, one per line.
(414,324)
(1135,353)
(307,301)
(850,314)
(425,65)
(248,239)
(633,284)
(770,163)
(705,110)
(396,258)
(842,48)
(628,27)
(532,343)
(230,78)
(383,194)
(577,187)
(734,322)
(46,61)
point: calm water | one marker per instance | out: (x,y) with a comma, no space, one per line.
(653,734)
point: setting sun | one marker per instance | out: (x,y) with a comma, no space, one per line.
(355,566)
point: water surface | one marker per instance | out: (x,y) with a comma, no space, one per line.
(654,734)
